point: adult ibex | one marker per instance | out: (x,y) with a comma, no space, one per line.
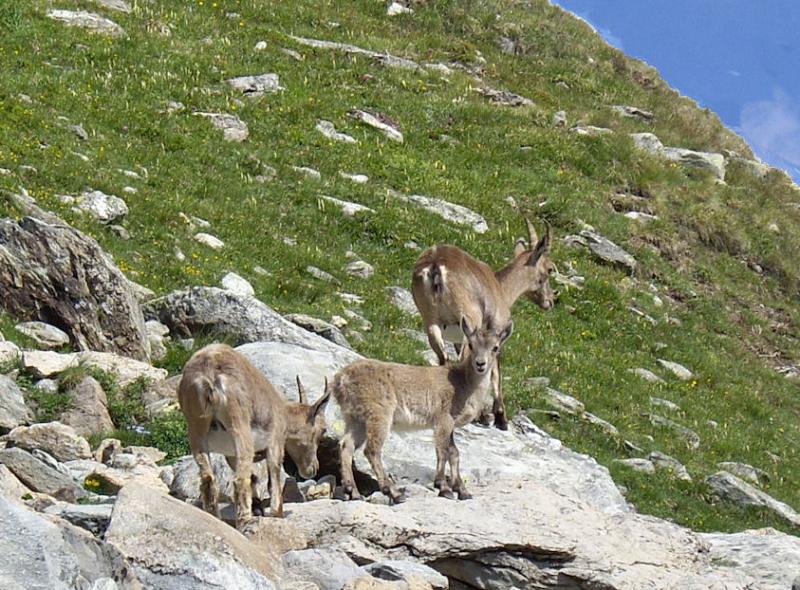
(231,408)
(447,283)
(376,397)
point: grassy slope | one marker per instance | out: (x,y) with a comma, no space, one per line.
(695,253)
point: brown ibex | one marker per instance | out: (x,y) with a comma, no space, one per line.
(447,283)
(376,397)
(231,408)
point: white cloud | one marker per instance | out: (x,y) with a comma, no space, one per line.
(772,127)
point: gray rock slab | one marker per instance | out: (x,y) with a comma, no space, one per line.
(730,487)
(402,299)
(256,85)
(744,471)
(349,208)
(604,249)
(671,464)
(92,517)
(329,569)
(397,569)
(647,375)
(676,369)
(87,20)
(319,327)
(690,436)
(59,440)
(378,121)
(637,464)
(328,129)
(13,411)
(232,127)
(104,208)
(40,477)
(562,401)
(452,212)
(44,335)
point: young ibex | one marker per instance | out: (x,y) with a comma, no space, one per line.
(376,396)
(447,283)
(231,408)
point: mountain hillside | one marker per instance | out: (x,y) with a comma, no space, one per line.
(507,108)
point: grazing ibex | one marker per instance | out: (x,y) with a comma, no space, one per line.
(376,396)
(447,283)
(231,408)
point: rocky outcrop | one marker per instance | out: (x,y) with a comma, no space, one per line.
(13,411)
(711,162)
(88,413)
(731,488)
(56,439)
(54,273)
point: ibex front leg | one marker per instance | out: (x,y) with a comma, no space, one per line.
(442,435)
(455,473)
(498,405)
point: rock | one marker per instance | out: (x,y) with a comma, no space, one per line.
(244,319)
(328,129)
(290,52)
(357,178)
(402,299)
(308,172)
(13,411)
(633,112)
(640,216)
(45,552)
(662,461)
(92,517)
(79,131)
(360,269)
(677,369)
(104,208)
(54,267)
(559,119)
(47,363)
(173,545)
(11,487)
(329,569)
(562,401)
(119,5)
(504,97)
(185,483)
(126,466)
(156,328)
(770,557)
(88,413)
(713,163)
(40,477)
(44,335)
(396,8)
(236,284)
(9,354)
(350,209)
(603,248)
(689,435)
(507,45)
(643,465)
(322,275)
(232,127)
(126,370)
(647,375)
(607,427)
(119,231)
(165,390)
(87,20)
(665,403)
(396,569)
(378,121)
(745,471)
(731,488)
(212,242)
(319,327)
(647,142)
(351,298)
(590,130)
(256,85)
(450,211)
(383,58)
(59,440)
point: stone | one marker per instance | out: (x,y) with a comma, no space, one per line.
(212,242)
(44,335)
(363,322)
(665,403)
(603,248)
(457,214)
(504,97)
(126,466)
(11,487)
(729,487)
(236,284)
(50,265)
(79,131)
(329,569)
(357,178)
(322,275)
(319,327)
(9,353)
(402,299)
(647,375)
(92,517)
(676,369)
(745,471)
(380,57)
(171,544)
(378,121)
(308,172)
(606,426)
(87,20)
(256,85)
(559,119)
(562,401)
(119,231)
(127,370)
(328,129)
(88,413)
(244,319)
(40,477)
(119,5)
(45,552)
(640,216)
(232,127)
(59,440)
(156,328)
(104,208)
(590,130)
(360,269)
(647,142)
(643,465)
(396,8)
(13,411)
(397,569)
(185,484)
(675,467)
(711,162)
(633,112)
(690,436)
(349,208)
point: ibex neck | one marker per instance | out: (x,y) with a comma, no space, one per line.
(472,379)
(511,280)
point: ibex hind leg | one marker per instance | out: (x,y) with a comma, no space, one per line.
(352,440)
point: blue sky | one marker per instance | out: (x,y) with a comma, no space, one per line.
(740,58)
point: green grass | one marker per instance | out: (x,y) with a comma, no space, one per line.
(732,320)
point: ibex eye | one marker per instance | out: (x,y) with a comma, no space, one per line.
(470,345)
(495,349)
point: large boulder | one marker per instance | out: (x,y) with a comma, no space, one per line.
(88,412)
(59,440)
(55,273)
(242,318)
(174,546)
(46,363)
(39,476)
(40,552)
(13,411)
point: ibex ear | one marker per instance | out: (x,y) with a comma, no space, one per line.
(542,247)
(466,328)
(507,331)
(319,405)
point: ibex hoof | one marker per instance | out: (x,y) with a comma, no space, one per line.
(399,498)
(276,513)
(485,420)
(464,495)
(500,421)
(447,494)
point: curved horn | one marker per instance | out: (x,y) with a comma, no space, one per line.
(301,391)
(531,232)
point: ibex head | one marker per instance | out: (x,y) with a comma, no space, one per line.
(538,266)
(484,344)
(305,427)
